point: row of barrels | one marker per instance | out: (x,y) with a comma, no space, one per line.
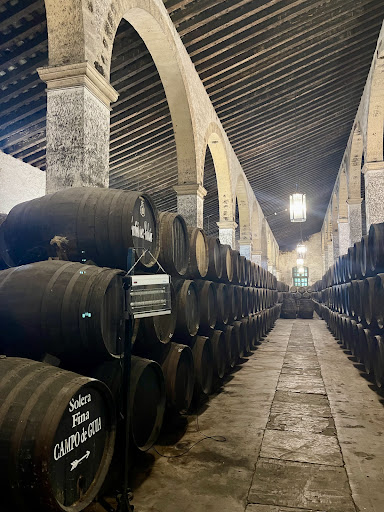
(364,259)
(361,299)
(59,428)
(72,310)
(364,344)
(100,225)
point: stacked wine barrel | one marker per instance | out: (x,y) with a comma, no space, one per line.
(62,310)
(350,298)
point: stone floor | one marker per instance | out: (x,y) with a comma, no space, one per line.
(303,432)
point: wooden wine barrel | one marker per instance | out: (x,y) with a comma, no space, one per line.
(239,301)
(207,304)
(369,300)
(248,273)
(97,224)
(174,243)
(151,332)
(198,254)
(349,265)
(379,300)
(242,270)
(232,302)
(215,267)
(187,308)
(252,326)
(235,255)
(356,260)
(219,353)
(378,365)
(368,343)
(245,330)
(179,374)
(62,308)
(203,363)
(231,346)
(147,400)
(244,301)
(241,337)
(226,263)
(376,248)
(57,435)
(222,297)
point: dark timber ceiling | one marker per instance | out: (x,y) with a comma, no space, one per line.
(284,76)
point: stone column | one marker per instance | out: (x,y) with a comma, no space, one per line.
(190,203)
(344,236)
(78,118)
(374,192)
(354,220)
(256,258)
(245,248)
(227,232)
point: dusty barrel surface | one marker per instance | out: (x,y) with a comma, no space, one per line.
(187,307)
(179,374)
(375,261)
(147,399)
(198,254)
(91,223)
(215,268)
(232,349)
(219,353)
(207,304)
(174,243)
(57,432)
(64,308)
(222,296)
(203,363)
(226,263)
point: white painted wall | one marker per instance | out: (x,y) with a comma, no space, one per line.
(19,182)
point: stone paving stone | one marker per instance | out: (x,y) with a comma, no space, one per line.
(301,447)
(301,371)
(273,508)
(292,419)
(300,485)
(301,384)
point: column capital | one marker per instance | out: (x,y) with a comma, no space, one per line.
(80,74)
(342,220)
(189,189)
(245,241)
(373,166)
(227,224)
(355,200)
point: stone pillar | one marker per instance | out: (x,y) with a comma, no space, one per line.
(256,258)
(78,118)
(344,236)
(227,232)
(354,220)
(374,192)
(245,248)
(190,203)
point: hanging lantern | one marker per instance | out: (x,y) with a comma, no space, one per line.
(298,207)
(301,250)
(301,270)
(300,262)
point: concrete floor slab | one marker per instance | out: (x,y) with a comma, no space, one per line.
(300,485)
(301,447)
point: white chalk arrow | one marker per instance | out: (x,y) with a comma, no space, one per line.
(76,462)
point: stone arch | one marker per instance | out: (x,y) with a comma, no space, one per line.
(84,32)
(375,120)
(356,153)
(244,210)
(343,195)
(217,147)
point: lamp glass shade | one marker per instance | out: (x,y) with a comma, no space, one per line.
(301,250)
(300,262)
(298,207)
(300,270)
